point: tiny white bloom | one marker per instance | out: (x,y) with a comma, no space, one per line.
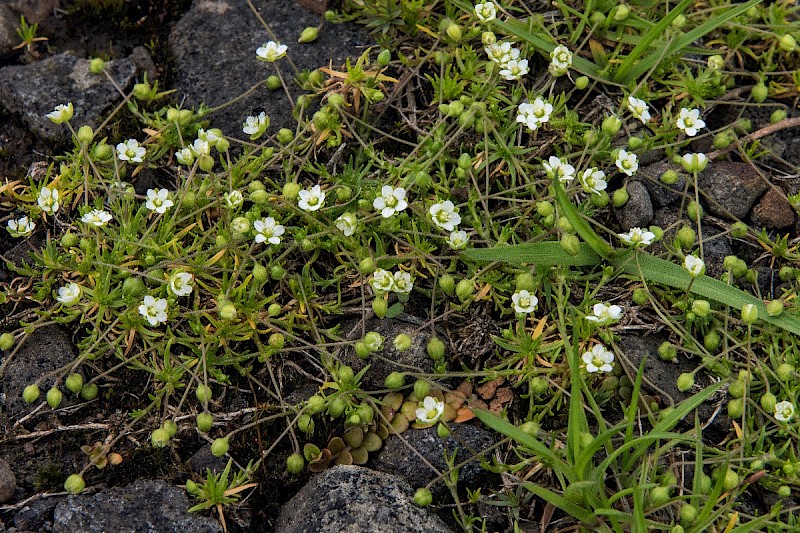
(155,311)
(694,265)
(256,126)
(535,114)
(348,223)
(382,281)
(62,113)
(638,109)
(234,199)
(694,162)
(431,410)
(48,200)
(96,217)
(559,168)
(689,121)
(603,314)
(501,52)
(403,282)
(444,215)
(311,199)
(201,147)
(69,294)
(784,411)
(486,11)
(271,51)
(560,60)
(158,200)
(392,200)
(131,151)
(267,230)
(211,136)
(637,237)
(21,227)
(627,162)
(593,180)
(185,156)
(458,240)
(514,69)
(524,302)
(598,359)
(180,284)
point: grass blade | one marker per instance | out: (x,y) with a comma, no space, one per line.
(562,503)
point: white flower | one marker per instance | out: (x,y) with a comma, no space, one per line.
(458,240)
(348,223)
(627,163)
(524,302)
(694,162)
(256,126)
(48,200)
(598,359)
(514,69)
(535,114)
(211,136)
(96,217)
(69,294)
(392,200)
(21,227)
(501,52)
(603,314)
(131,151)
(784,411)
(561,60)
(431,410)
(638,109)
(158,201)
(271,51)
(382,281)
(201,147)
(180,284)
(694,265)
(311,199)
(689,121)
(403,282)
(486,11)
(185,156)
(559,168)
(234,199)
(593,180)
(637,237)
(444,215)
(62,113)
(268,231)
(155,311)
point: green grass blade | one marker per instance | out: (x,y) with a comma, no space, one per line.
(600,246)
(562,503)
(541,253)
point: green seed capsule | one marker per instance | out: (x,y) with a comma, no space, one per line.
(30,393)
(423,497)
(204,421)
(220,447)
(295,463)
(54,397)
(74,484)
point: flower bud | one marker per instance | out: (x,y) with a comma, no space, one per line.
(203,393)
(712,340)
(448,284)
(305,423)
(777,116)
(735,408)
(102,152)
(395,380)
(688,513)
(274,309)
(308,35)
(435,348)
(384,57)
(402,342)
(30,393)
(685,381)
(639,296)
(421,389)
(667,351)
(74,383)
(465,289)
(685,238)
(659,496)
(694,210)
(775,308)
(85,134)
(159,438)
(89,391)
(204,421)
(787,43)
(730,479)
(374,341)
(611,125)
(220,447)
(380,307)
(679,22)
(545,208)
(759,92)
(442,431)
(74,484)
(620,197)
(423,497)
(531,427)
(54,397)
(581,83)
(345,373)
(171,427)
(570,244)
(273,83)
(715,62)
(96,65)
(276,341)
(6,341)
(701,308)
(723,139)
(284,136)
(749,313)
(367,266)
(784,371)
(295,463)
(227,311)
(488,38)
(336,407)
(454,32)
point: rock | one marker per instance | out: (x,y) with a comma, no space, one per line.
(37,515)
(9,21)
(203,459)
(660,193)
(638,210)
(8,481)
(353,499)
(716,246)
(153,506)
(215,44)
(390,360)
(47,349)
(34,90)
(732,188)
(465,441)
(34,11)
(773,211)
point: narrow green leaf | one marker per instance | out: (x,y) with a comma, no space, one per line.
(548,253)
(562,503)
(600,246)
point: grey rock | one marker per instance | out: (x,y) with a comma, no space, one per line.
(151,506)
(660,193)
(638,210)
(10,11)
(716,246)
(353,499)
(36,515)
(204,460)
(8,30)
(215,44)
(8,481)
(34,90)
(47,349)
(773,211)
(731,188)
(34,10)
(389,359)
(465,441)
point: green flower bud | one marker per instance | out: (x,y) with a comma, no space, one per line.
(448,284)
(89,391)
(203,393)
(784,491)
(570,244)
(54,397)
(701,308)
(284,136)
(639,296)
(600,200)
(539,385)
(730,479)
(74,484)
(768,401)
(685,381)
(423,497)
(611,125)
(620,197)
(295,463)
(488,38)
(545,208)
(531,427)
(274,309)
(421,389)
(308,35)
(6,341)
(204,421)
(220,447)
(723,139)
(345,374)
(223,144)
(784,371)
(380,306)
(435,348)
(227,311)
(597,18)
(85,134)
(704,484)
(260,274)
(465,289)
(679,22)
(454,32)
(159,438)
(635,142)
(74,383)
(777,116)
(669,177)
(775,308)
(374,341)
(685,238)
(749,313)
(712,340)
(759,92)
(362,350)
(305,423)
(395,380)
(102,152)
(276,341)
(442,431)
(260,197)
(739,230)
(367,266)
(316,404)
(384,57)
(171,427)
(737,389)
(402,342)
(659,496)
(787,43)
(694,210)
(667,351)
(336,407)
(688,513)
(273,83)
(715,62)
(96,65)
(581,83)
(30,393)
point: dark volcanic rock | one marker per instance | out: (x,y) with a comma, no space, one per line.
(732,187)
(8,481)
(638,210)
(353,499)
(773,211)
